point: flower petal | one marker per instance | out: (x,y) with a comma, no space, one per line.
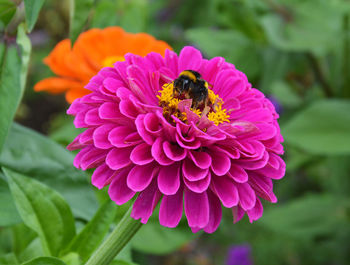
(140,177)
(146,202)
(196,208)
(170,211)
(226,190)
(118,191)
(169,179)
(118,158)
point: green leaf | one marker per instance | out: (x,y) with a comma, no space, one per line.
(10,88)
(122,262)
(93,233)
(304,27)
(25,45)
(32,154)
(7,11)
(13,74)
(63,130)
(43,210)
(45,261)
(79,13)
(283,92)
(32,251)
(22,236)
(8,212)
(32,11)
(71,259)
(307,217)
(8,259)
(163,240)
(321,128)
(245,54)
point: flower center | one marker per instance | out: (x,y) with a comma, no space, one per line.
(169,101)
(110,60)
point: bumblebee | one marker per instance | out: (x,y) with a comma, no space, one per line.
(190,85)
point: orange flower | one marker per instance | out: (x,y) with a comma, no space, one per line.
(94,49)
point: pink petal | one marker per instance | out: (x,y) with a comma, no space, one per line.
(200,159)
(158,153)
(196,208)
(169,179)
(192,172)
(118,191)
(118,158)
(117,136)
(92,158)
(190,59)
(140,177)
(247,197)
(256,212)
(100,136)
(221,163)
(141,129)
(238,174)
(110,111)
(146,202)
(275,168)
(263,186)
(173,151)
(215,213)
(170,211)
(238,213)
(226,190)
(141,154)
(101,176)
(198,186)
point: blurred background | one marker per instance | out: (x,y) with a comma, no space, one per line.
(297,52)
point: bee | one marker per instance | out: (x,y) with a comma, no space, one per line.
(190,85)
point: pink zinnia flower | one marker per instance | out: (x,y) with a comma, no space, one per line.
(145,142)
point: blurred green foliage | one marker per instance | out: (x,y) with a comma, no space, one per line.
(294,50)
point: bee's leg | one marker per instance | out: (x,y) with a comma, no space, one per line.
(194,103)
(205,111)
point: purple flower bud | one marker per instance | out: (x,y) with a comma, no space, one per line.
(239,255)
(276,104)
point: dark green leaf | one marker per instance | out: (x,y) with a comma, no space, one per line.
(164,240)
(7,10)
(45,261)
(43,210)
(93,233)
(37,156)
(8,211)
(79,13)
(32,11)
(322,128)
(307,217)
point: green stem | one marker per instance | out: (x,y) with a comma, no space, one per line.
(116,241)
(346,66)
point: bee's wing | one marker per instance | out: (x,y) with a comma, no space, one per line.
(166,78)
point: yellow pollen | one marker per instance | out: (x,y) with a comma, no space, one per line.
(170,106)
(110,60)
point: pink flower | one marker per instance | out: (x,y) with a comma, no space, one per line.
(143,144)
